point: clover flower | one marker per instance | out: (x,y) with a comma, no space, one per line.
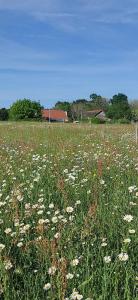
(8,265)
(52,270)
(69,276)
(75,262)
(123,256)
(75,295)
(47,286)
(107,259)
(127,241)
(69,209)
(128,218)
(2,246)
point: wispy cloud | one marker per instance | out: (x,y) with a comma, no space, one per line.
(17,58)
(72,45)
(14,50)
(14,56)
(108,11)
(43,15)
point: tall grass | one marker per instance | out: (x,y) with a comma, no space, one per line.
(68,209)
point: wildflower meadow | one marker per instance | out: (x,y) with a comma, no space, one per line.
(68,211)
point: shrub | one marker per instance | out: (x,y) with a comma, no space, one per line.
(4,115)
(123,121)
(25,109)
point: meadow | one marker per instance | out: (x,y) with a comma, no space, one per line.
(68,211)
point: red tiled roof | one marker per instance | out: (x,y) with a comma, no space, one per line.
(54,114)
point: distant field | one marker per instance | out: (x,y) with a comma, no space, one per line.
(68,214)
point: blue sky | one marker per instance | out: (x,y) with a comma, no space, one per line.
(64,50)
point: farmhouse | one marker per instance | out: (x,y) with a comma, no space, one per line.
(54,115)
(97,113)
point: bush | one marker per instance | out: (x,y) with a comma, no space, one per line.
(25,110)
(123,121)
(97,121)
(4,114)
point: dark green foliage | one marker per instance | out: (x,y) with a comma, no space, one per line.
(25,109)
(4,114)
(119,108)
(98,102)
(94,96)
(66,106)
(116,109)
(81,101)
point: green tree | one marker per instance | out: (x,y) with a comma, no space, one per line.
(98,102)
(4,115)
(119,108)
(25,109)
(66,106)
(134,108)
(94,96)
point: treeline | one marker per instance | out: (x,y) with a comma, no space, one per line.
(116,108)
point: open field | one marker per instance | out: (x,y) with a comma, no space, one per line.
(68,211)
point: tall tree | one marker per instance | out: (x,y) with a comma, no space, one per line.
(94,96)
(65,105)
(98,102)
(119,108)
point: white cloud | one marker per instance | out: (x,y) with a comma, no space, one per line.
(108,11)
(16,57)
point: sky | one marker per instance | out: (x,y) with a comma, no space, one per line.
(54,50)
